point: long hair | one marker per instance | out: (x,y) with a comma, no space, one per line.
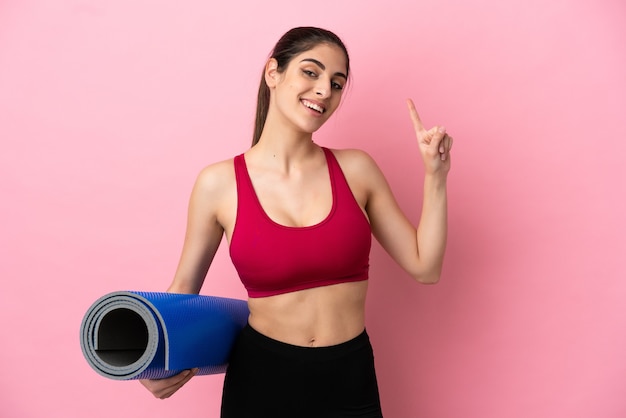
(292,43)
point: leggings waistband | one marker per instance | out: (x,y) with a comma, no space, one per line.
(252,336)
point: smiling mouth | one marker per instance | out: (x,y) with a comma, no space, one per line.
(316,107)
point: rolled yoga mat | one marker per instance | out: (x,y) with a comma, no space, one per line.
(144,335)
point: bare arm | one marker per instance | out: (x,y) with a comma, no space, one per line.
(419,251)
(203,235)
(202,239)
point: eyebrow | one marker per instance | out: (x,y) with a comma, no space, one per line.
(323,67)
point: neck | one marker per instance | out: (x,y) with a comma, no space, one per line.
(283,143)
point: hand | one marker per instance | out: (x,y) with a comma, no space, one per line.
(434,143)
(164,388)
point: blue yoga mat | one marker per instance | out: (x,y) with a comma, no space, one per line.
(145,335)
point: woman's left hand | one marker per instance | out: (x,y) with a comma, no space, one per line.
(434,144)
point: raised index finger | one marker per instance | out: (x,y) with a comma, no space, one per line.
(415,117)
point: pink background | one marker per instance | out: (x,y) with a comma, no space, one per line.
(109,109)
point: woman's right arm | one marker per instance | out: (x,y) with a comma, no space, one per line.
(202,239)
(204,232)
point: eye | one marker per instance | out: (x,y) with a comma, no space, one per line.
(336,86)
(309,73)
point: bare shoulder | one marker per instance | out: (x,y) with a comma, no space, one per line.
(357,164)
(362,174)
(216,178)
(214,195)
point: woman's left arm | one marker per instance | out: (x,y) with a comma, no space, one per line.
(419,251)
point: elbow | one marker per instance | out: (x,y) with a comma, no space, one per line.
(429,277)
(432,279)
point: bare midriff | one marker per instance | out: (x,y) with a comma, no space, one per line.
(318,317)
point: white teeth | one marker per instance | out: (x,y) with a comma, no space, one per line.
(313,106)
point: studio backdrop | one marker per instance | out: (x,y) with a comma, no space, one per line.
(109,110)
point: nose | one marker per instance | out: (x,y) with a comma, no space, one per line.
(322,89)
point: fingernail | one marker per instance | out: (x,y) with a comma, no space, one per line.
(442,129)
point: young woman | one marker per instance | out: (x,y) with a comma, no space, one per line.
(298,219)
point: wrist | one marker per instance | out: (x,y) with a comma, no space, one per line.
(437,180)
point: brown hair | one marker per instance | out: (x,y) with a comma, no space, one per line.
(292,43)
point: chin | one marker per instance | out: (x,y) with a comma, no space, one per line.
(314,129)
(310,128)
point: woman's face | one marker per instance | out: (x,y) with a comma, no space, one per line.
(309,90)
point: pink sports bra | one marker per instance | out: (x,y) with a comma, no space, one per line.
(272,259)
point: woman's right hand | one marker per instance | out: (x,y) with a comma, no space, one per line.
(164,388)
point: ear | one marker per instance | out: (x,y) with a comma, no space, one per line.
(271,73)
